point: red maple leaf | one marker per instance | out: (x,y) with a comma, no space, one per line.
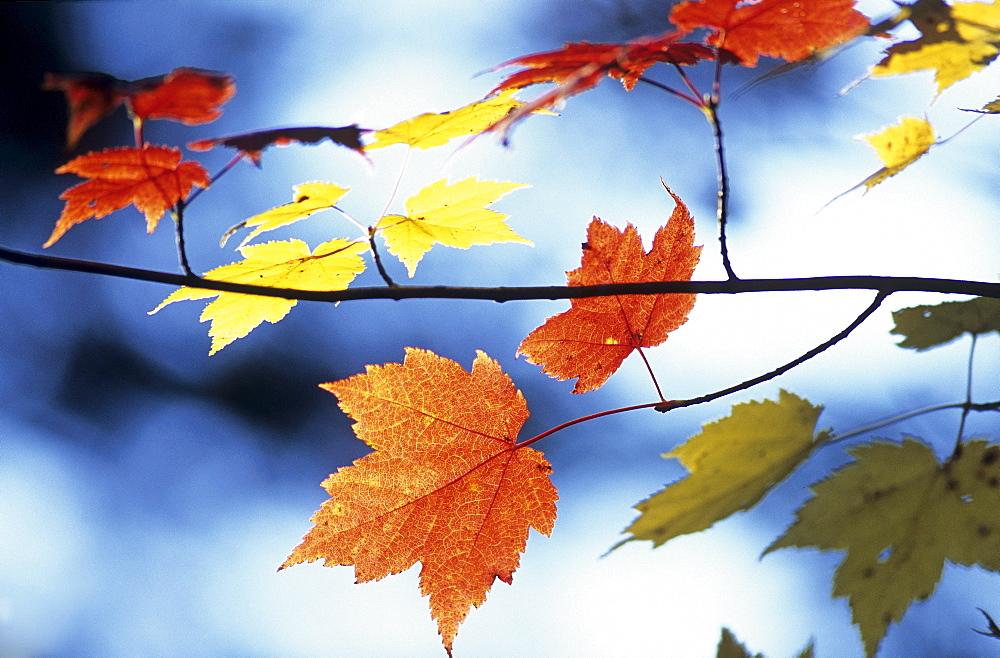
(447,486)
(252,144)
(191,96)
(790,29)
(151,178)
(591,61)
(592,339)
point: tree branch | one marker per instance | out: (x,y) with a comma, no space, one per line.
(886,284)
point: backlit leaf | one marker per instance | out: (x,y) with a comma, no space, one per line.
(899,146)
(152,179)
(429,130)
(191,96)
(592,339)
(899,514)
(290,264)
(990,108)
(580,66)
(789,29)
(454,215)
(447,486)
(930,325)
(253,144)
(955,41)
(307,199)
(734,462)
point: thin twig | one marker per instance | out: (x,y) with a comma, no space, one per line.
(378,260)
(879,424)
(675,404)
(968,396)
(178,214)
(885,284)
(722,208)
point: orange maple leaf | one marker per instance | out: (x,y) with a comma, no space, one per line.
(191,96)
(790,29)
(592,339)
(623,61)
(151,178)
(447,486)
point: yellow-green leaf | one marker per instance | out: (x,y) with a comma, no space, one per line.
(899,514)
(955,42)
(993,107)
(429,129)
(730,647)
(454,215)
(733,462)
(289,264)
(930,325)
(307,198)
(899,147)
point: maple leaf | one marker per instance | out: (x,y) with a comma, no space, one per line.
(623,61)
(289,264)
(730,647)
(307,199)
(899,514)
(429,129)
(789,29)
(447,486)
(253,144)
(454,215)
(580,66)
(955,41)
(734,462)
(930,325)
(151,178)
(898,146)
(592,339)
(191,96)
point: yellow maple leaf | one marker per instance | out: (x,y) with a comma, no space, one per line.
(899,146)
(429,129)
(289,264)
(955,41)
(307,199)
(733,462)
(454,215)
(899,514)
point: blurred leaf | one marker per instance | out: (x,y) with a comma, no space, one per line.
(930,325)
(899,514)
(955,41)
(428,130)
(733,462)
(730,647)
(899,146)
(253,144)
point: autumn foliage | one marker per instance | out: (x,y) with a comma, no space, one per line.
(450,484)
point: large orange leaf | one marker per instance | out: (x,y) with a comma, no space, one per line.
(191,96)
(152,179)
(790,29)
(592,339)
(447,486)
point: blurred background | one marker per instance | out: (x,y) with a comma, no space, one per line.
(148,492)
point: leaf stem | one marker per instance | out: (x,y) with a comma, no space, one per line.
(211,181)
(575,421)
(670,90)
(822,347)
(652,375)
(968,395)
(879,424)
